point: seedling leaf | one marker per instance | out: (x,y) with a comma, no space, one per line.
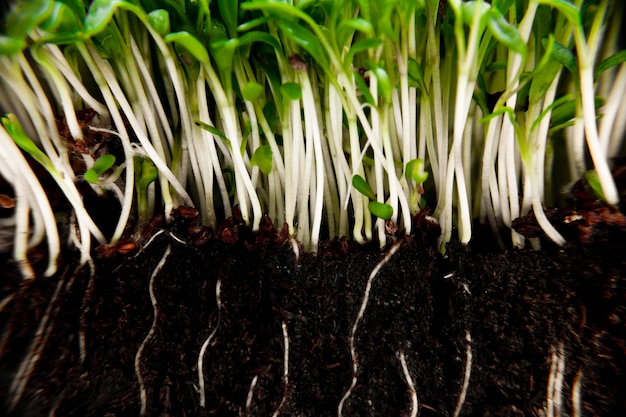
(611,61)
(564,57)
(591,177)
(568,9)
(306,40)
(367,95)
(359,46)
(414,171)
(228,12)
(359,183)
(251,91)
(25,16)
(101,12)
(10,46)
(149,173)
(191,43)
(381,210)
(213,130)
(160,21)
(99,167)
(17,133)
(505,32)
(291,91)
(262,158)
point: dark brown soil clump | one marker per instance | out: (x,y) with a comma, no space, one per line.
(510,324)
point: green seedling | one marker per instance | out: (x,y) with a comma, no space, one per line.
(100,166)
(381,210)
(292,109)
(592,180)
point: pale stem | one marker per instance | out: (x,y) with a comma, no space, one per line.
(589,115)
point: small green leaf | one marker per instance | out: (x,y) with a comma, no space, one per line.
(360,46)
(62,21)
(570,11)
(253,23)
(564,57)
(101,12)
(384,82)
(223,52)
(26,15)
(262,158)
(384,21)
(367,95)
(415,171)
(251,91)
(610,62)
(305,38)
(99,167)
(149,173)
(191,43)
(567,111)
(160,21)
(505,32)
(346,28)
(11,46)
(591,177)
(228,12)
(381,210)
(416,74)
(359,184)
(257,36)
(548,109)
(471,8)
(213,130)
(503,5)
(291,91)
(19,136)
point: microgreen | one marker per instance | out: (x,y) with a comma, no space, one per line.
(332,117)
(100,166)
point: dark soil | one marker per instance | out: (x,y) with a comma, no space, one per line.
(524,311)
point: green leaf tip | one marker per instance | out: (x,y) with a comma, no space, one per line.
(381,210)
(359,183)
(415,171)
(99,167)
(262,158)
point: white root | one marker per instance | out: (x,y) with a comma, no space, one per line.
(577,403)
(410,385)
(554,395)
(466,377)
(285,370)
(207,341)
(251,393)
(36,348)
(355,325)
(142,387)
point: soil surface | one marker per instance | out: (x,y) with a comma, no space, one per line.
(352,330)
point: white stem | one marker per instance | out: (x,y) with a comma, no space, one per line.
(598,155)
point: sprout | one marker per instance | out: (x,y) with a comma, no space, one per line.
(332,118)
